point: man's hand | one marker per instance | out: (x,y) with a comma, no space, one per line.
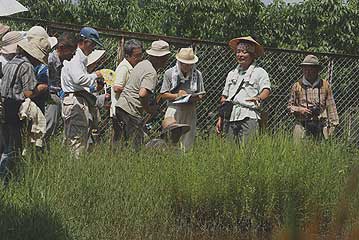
(182,93)
(304,111)
(99,74)
(219,125)
(256,100)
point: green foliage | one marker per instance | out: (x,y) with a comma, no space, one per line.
(155,194)
(320,25)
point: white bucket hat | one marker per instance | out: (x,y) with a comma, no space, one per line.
(38,48)
(159,48)
(94,57)
(187,56)
(38,31)
(9,42)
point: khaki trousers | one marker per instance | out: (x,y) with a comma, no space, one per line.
(77,119)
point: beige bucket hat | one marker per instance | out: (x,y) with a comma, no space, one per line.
(159,48)
(311,60)
(259,50)
(38,31)
(94,56)
(4,29)
(9,42)
(38,48)
(187,56)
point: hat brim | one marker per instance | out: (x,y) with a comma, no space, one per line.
(9,49)
(186,61)
(97,42)
(24,45)
(180,129)
(311,65)
(259,50)
(91,60)
(156,53)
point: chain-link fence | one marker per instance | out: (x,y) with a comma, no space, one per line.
(216,60)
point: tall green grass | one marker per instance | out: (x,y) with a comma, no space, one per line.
(218,190)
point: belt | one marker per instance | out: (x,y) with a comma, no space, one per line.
(69,94)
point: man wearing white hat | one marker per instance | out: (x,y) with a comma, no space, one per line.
(245,88)
(178,81)
(18,83)
(135,98)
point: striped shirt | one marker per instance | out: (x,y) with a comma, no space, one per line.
(25,79)
(319,95)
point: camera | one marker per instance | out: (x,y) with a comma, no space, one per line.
(315,111)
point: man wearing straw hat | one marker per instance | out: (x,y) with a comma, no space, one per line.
(18,83)
(181,80)
(135,98)
(133,55)
(79,104)
(246,87)
(312,103)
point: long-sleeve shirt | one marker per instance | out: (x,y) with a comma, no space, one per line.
(74,75)
(319,95)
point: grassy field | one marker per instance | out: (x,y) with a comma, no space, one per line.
(270,187)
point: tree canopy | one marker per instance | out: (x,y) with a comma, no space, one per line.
(320,25)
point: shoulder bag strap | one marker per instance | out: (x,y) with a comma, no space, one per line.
(14,77)
(238,90)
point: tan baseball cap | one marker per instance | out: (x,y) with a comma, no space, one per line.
(94,56)
(159,48)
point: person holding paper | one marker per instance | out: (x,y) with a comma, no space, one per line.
(183,87)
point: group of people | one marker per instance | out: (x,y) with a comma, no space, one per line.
(44,78)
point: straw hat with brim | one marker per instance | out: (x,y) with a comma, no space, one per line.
(311,60)
(94,56)
(3,28)
(38,31)
(259,50)
(169,125)
(9,42)
(38,48)
(186,55)
(159,48)
(176,129)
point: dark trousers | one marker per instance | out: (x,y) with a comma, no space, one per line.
(132,130)
(12,150)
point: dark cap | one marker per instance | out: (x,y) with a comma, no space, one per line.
(92,34)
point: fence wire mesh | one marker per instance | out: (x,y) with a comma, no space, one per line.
(216,60)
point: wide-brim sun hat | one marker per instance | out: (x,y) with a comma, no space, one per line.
(38,48)
(311,60)
(169,125)
(159,48)
(40,32)
(259,50)
(95,56)
(10,41)
(187,56)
